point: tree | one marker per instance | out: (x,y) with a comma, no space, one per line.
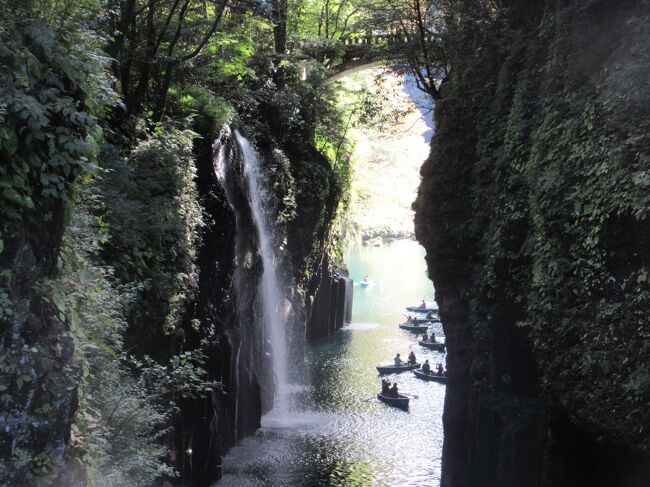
(426,34)
(279,17)
(152,40)
(414,27)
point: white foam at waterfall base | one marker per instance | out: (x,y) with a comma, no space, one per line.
(262,207)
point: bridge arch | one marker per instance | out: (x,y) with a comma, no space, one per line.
(361,66)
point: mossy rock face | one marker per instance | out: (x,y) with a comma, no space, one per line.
(533,213)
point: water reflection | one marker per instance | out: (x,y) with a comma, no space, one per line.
(339,434)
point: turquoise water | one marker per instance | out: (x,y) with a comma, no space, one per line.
(398,279)
(337,433)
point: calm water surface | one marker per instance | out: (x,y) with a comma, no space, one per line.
(337,433)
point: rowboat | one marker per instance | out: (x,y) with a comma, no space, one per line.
(430,376)
(396,369)
(426,320)
(418,309)
(414,328)
(401,401)
(440,347)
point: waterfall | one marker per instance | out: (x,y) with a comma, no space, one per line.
(263,209)
(259,197)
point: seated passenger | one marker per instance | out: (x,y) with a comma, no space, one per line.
(412,360)
(425,337)
(385,385)
(393,390)
(398,360)
(439,370)
(426,368)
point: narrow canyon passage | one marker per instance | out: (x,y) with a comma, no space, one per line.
(191,192)
(331,429)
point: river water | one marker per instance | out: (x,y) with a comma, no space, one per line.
(337,433)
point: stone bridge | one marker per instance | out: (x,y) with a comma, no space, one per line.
(354,54)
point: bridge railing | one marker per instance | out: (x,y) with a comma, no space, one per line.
(379,39)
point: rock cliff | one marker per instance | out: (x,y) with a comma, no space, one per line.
(532,210)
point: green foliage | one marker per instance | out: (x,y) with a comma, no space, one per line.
(119,423)
(182,378)
(207,111)
(126,406)
(153,220)
(52,87)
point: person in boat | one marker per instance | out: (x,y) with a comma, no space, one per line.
(432,338)
(412,360)
(439,369)
(393,390)
(423,304)
(385,386)
(397,360)
(426,368)
(425,337)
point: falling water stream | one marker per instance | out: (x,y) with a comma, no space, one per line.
(262,207)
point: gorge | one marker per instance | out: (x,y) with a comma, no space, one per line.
(176,184)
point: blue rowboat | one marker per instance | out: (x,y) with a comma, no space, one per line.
(400,401)
(426,320)
(440,347)
(414,328)
(418,309)
(430,376)
(396,369)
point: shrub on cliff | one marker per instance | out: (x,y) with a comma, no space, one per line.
(126,405)
(153,220)
(53,86)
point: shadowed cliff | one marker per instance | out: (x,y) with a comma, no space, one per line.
(532,210)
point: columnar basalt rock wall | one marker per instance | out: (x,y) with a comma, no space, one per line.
(532,212)
(331,305)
